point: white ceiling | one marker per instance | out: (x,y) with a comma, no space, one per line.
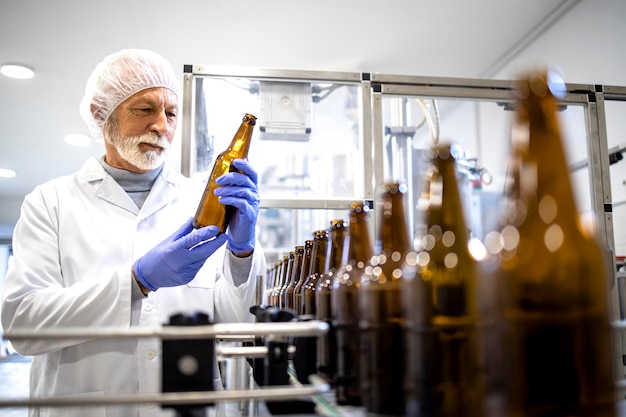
(64,39)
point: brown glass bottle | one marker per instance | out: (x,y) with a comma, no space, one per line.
(280,278)
(345,306)
(555,320)
(439,301)
(304,273)
(269,284)
(327,343)
(286,279)
(318,267)
(210,210)
(277,281)
(380,311)
(294,276)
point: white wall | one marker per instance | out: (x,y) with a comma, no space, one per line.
(588,45)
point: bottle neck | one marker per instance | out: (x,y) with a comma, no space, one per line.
(318,266)
(296,267)
(445,208)
(394,235)
(360,246)
(283,272)
(306,265)
(338,240)
(241,141)
(543,172)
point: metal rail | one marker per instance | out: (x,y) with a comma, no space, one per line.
(247,351)
(277,393)
(307,328)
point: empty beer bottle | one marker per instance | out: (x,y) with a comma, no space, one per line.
(294,276)
(210,210)
(286,280)
(271,283)
(280,279)
(305,359)
(318,267)
(304,273)
(327,343)
(555,320)
(345,306)
(269,287)
(439,301)
(380,311)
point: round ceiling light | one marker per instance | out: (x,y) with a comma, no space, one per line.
(19,71)
(6,173)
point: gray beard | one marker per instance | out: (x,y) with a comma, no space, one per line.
(128,148)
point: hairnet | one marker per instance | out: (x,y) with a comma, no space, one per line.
(119,76)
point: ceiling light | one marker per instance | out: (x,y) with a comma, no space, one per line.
(6,173)
(77,139)
(19,71)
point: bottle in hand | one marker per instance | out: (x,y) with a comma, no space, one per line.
(210,210)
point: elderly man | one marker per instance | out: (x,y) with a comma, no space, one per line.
(84,246)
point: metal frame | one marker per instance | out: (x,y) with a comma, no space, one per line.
(191,71)
(499,91)
(223,331)
(618,298)
(376,86)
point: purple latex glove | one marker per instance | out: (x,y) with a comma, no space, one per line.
(240,191)
(177,259)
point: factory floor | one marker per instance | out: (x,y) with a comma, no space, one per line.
(14,371)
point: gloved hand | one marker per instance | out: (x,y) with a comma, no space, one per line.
(177,259)
(240,190)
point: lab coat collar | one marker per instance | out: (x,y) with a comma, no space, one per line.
(109,190)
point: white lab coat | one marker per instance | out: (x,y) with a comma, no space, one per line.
(74,245)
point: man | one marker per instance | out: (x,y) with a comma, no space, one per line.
(84,246)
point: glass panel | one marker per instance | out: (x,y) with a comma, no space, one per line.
(307,143)
(281,230)
(480,133)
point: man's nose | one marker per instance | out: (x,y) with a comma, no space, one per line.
(159,125)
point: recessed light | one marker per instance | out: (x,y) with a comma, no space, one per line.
(6,173)
(19,71)
(77,139)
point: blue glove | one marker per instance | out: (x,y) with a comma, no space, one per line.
(177,259)
(240,191)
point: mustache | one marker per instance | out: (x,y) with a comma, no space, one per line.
(151,139)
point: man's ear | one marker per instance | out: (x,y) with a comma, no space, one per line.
(96,112)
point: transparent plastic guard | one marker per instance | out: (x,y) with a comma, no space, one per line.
(307,142)
(473,127)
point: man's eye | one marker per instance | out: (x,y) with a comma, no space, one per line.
(171,115)
(143,110)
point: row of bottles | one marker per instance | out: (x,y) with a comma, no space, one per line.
(408,325)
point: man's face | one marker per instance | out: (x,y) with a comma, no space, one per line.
(139,132)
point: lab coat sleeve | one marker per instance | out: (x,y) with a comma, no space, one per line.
(232,303)
(36,294)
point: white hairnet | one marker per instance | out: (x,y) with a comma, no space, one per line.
(119,76)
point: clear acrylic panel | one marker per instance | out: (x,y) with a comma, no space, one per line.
(479,131)
(307,143)
(281,230)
